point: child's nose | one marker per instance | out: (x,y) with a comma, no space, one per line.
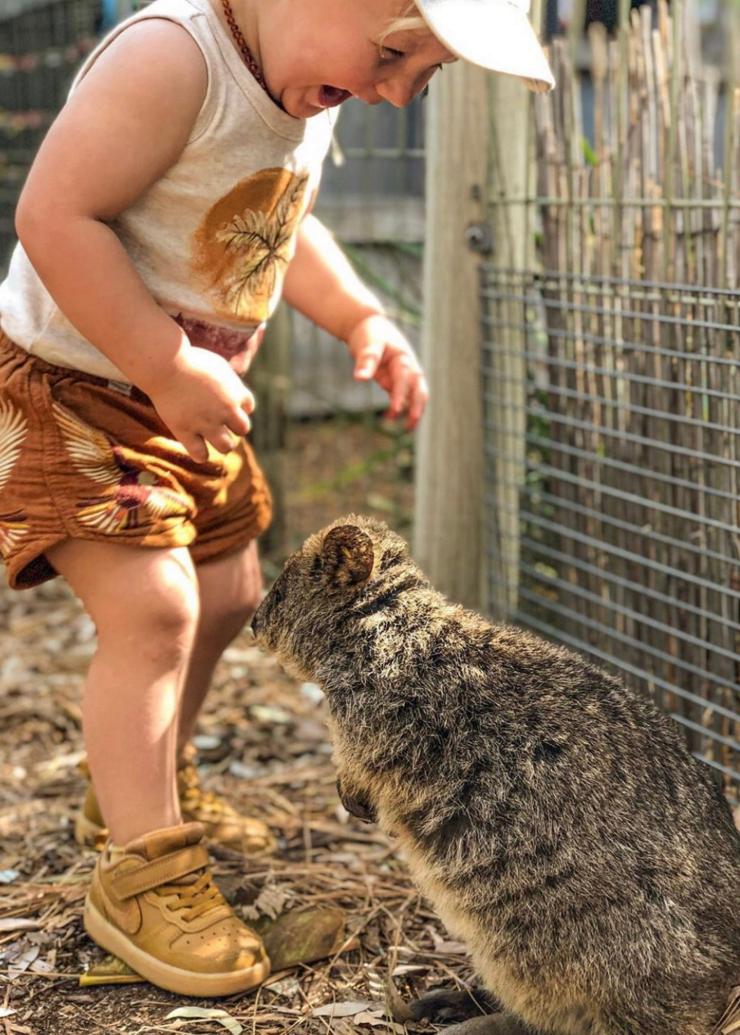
(397,90)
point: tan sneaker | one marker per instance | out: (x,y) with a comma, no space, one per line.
(222,823)
(154,905)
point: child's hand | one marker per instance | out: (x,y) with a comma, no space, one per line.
(381,351)
(202,400)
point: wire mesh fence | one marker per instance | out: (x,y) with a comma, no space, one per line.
(628,531)
(612,385)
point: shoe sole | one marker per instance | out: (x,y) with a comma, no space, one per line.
(164,975)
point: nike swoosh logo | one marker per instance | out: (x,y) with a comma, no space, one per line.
(126,914)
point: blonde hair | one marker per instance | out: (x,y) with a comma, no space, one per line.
(409,21)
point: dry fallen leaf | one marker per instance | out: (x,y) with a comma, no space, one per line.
(208,1014)
(22,962)
(109,971)
(270,902)
(348,1009)
(372,1017)
(448,947)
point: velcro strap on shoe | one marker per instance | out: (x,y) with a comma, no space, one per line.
(159,871)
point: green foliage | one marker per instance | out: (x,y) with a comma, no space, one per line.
(588,152)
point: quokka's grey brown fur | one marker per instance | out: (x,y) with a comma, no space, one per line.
(553,817)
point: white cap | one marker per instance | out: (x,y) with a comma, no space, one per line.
(495,34)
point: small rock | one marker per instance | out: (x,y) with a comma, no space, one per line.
(311,692)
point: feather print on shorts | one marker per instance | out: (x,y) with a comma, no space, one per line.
(13,428)
(131,496)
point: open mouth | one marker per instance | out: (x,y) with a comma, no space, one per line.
(331,96)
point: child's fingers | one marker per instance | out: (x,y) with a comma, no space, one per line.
(248,402)
(224,440)
(399,391)
(418,399)
(239,422)
(195,445)
(384,379)
(367,360)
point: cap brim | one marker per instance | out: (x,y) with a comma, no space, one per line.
(493,34)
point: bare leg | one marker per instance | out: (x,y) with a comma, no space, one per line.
(230,591)
(144,603)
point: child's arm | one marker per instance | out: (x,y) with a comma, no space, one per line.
(124,126)
(321,283)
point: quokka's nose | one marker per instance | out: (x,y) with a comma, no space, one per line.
(253,623)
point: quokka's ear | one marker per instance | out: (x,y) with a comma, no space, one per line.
(347,556)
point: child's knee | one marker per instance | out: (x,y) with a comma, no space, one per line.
(156,616)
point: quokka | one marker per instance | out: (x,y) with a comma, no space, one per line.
(554,818)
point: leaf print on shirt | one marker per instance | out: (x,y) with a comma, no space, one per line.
(246,241)
(132,497)
(13,428)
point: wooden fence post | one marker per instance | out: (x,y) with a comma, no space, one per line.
(512,147)
(449,478)
(479,158)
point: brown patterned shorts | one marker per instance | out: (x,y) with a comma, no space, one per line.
(86,458)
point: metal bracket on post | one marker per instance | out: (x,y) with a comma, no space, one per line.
(479,238)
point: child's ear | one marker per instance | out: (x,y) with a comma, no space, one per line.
(347,556)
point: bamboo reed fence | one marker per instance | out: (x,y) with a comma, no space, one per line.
(612,380)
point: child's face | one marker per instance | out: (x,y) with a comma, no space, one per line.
(317,54)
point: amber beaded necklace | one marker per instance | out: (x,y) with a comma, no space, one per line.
(249,59)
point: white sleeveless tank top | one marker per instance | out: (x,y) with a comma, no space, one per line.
(212,238)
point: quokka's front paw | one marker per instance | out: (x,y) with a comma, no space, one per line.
(356,804)
(449,1004)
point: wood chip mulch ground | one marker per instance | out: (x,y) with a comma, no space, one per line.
(264,745)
